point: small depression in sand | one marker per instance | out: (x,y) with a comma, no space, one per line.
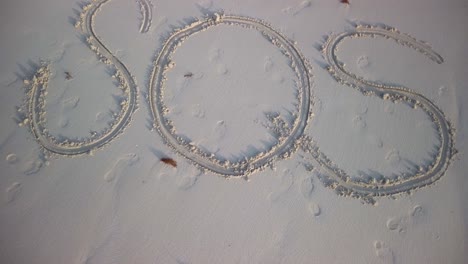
(223,82)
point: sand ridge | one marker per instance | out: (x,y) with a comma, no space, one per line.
(287,136)
(290,137)
(146,10)
(38,86)
(336,177)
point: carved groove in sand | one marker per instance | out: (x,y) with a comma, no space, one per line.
(40,82)
(146,10)
(287,135)
(336,178)
(290,138)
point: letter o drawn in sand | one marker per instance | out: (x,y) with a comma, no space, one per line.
(285,145)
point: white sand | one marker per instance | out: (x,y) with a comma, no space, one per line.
(266,172)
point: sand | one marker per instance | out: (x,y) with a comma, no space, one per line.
(233,132)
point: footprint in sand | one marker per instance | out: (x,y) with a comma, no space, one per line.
(363,62)
(401,223)
(359,122)
(197,111)
(163,177)
(219,131)
(277,77)
(120,165)
(221,69)
(287,181)
(67,105)
(375,141)
(297,9)
(188,181)
(160,171)
(307,186)
(383,252)
(393,157)
(416,211)
(303,5)
(416,215)
(389,108)
(215,55)
(100,117)
(361,109)
(70,103)
(442,90)
(31,166)
(315,209)
(396,224)
(63,122)
(12,191)
(268,64)
(11,158)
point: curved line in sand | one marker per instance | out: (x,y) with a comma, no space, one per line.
(339,180)
(193,153)
(147,15)
(40,83)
